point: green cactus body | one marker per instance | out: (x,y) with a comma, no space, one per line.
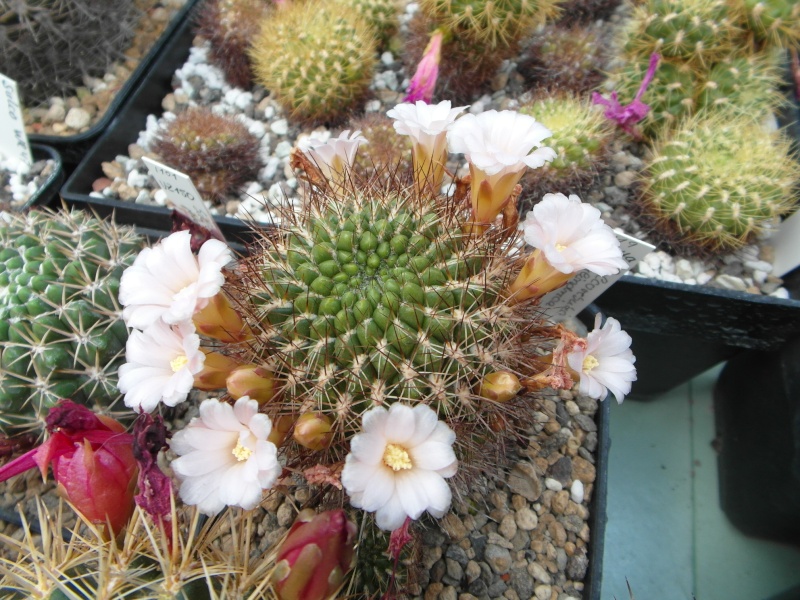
(695,31)
(717,181)
(368,300)
(492,23)
(775,21)
(581,134)
(382,16)
(747,85)
(61,335)
(317,59)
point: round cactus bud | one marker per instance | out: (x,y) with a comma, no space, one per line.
(313,431)
(61,335)
(317,59)
(251,380)
(500,386)
(719,180)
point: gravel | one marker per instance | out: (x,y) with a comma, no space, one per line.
(20,182)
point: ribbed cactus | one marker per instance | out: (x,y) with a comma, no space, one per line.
(229,26)
(717,181)
(48,47)
(382,16)
(580,138)
(695,31)
(61,335)
(317,59)
(217,151)
(490,23)
(774,21)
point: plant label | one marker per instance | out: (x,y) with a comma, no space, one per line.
(570,299)
(13,139)
(786,243)
(183,195)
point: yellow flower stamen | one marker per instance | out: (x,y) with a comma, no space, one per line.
(241,453)
(589,363)
(396,457)
(178,363)
(560,247)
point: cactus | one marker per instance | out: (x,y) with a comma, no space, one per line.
(48,47)
(216,151)
(776,22)
(564,59)
(580,137)
(382,16)
(60,329)
(229,25)
(490,23)
(718,181)
(698,32)
(584,12)
(317,59)
(386,153)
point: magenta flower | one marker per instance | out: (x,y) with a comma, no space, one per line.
(630,114)
(424,81)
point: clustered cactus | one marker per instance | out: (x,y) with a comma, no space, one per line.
(773,22)
(317,59)
(716,183)
(48,47)
(61,335)
(217,151)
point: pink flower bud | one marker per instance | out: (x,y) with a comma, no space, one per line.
(313,430)
(423,83)
(317,553)
(92,460)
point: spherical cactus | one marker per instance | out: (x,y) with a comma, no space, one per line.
(229,25)
(718,181)
(317,59)
(694,31)
(747,85)
(61,335)
(491,23)
(216,151)
(387,154)
(580,138)
(383,16)
(775,21)
(569,59)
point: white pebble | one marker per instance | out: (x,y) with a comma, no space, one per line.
(704,278)
(283,149)
(280,127)
(758,265)
(268,172)
(576,491)
(77,118)
(683,269)
(780,293)
(160,197)
(269,112)
(387,59)
(553,484)
(137,179)
(143,197)
(729,282)
(645,269)
(372,106)
(253,189)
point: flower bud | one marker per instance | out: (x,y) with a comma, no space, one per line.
(251,380)
(316,555)
(281,426)
(500,386)
(313,430)
(216,369)
(219,320)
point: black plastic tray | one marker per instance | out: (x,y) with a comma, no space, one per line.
(48,191)
(73,147)
(130,120)
(598,508)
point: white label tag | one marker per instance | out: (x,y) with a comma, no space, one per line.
(13,139)
(786,243)
(182,193)
(570,299)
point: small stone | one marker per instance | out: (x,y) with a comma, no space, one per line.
(729,282)
(576,492)
(77,118)
(539,573)
(585,422)
(454,570)
(553,484)
(387,59)
(577,566)
(526,519)
(279,127)
(559,502)
(498,558)
(472,571)
(543,592)
(285,514)
(453,527)
(508,527)
(625,179)
(55,114)
(584,470)
(524,481)
(448,593)
(561,471)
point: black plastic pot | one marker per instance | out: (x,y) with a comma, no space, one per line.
(757,408)
(74,147)
(681,330)
(49,188)
(130,121)
(598,509)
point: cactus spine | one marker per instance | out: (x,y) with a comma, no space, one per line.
(60,329)
(317,59)
(718,181)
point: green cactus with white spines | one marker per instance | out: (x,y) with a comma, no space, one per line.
(718,181)
(383,16)
(490,23)
(61,335)
(746,85)
(371,297)
(316,58)
(776,22)
(699,32)
(581,134)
